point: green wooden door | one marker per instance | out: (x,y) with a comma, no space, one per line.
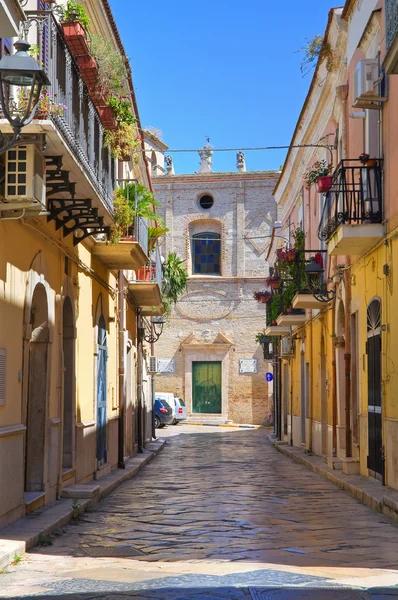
(206,386)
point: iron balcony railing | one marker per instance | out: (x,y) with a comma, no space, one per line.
(152,272)
(391,15)
(141,233)
(79,125)
(356,197)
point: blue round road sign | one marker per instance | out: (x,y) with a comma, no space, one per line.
(269,377)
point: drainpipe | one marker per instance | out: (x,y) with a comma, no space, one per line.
(122,387)
(347,360)
(140,431)
(153,381)
(334,406)
(291,363)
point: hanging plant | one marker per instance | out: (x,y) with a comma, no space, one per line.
(273,281)
(262,296)
(154,233)
(122,110)
(176,277)
(275,308)
(122,141)
(259,337)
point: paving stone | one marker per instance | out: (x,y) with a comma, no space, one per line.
(217,512)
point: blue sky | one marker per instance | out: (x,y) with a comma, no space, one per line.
(226,69)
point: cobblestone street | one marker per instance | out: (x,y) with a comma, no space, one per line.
(217,514)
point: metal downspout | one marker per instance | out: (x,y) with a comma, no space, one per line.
(153,386)
(347,361)
(122,376)
(140,432)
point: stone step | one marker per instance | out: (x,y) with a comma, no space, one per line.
(81,491)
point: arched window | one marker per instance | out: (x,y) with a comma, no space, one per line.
(206,254)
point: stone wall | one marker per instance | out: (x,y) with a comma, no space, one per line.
(217,319)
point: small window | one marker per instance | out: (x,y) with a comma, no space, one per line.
(206,254)
(206,201)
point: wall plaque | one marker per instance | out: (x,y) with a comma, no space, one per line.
(166,365)
(248,365)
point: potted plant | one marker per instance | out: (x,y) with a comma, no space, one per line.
(131,201)
(275,308)
(320,173)
(154,233)
(122,141)
(47,105)
(175,277)
(259,337)
(273,281)
(74,27)
(262,296)
(367,161)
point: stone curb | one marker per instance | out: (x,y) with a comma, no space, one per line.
(20,536)
(364,489)
(227,425)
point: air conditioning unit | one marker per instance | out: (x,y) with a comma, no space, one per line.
(367,84)
(153,364)
(287,346)
(25,180)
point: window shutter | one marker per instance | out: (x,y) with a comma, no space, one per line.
(3,364)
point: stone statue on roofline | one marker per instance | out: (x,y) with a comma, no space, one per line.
(205,154)
(169,164)
(240,161)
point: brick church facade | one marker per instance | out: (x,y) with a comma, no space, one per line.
(220,224)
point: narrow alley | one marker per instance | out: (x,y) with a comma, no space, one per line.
(215,515)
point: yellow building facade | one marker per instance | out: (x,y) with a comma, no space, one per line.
(335,350)
(75,394)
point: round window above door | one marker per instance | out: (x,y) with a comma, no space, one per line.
(206,201)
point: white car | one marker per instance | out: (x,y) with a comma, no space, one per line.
(177,404)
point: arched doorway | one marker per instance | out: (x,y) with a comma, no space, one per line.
(373,350)
(68,341)
(324,411)
(101,391)
(36,416)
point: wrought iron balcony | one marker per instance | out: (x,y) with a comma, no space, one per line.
(145,286)
(79,126)
(355,198)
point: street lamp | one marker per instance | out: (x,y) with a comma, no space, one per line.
(21,70)
(314,272)
(156,330)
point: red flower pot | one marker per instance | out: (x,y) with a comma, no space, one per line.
(97,96)
(88,69)
(275,284)
(291,255)
(146,273)
(106,116)
(324,183)
(75,37)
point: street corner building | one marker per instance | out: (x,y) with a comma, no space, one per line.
(220,224)
(75,395)
(335,327)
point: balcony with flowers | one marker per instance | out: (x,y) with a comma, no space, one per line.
(284,280)
(352,217)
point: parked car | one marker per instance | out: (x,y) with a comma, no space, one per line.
(163,413)
(176,403)
(181,410)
